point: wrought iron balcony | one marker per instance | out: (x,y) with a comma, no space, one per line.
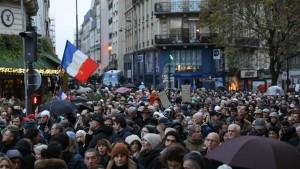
(177,7)
(185,38)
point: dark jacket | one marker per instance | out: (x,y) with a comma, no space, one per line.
(25,149)
(103,131)
(150,159)
(127,131)
(72,161)
(53,163)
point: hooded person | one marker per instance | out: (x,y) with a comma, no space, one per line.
(120,157)
(149,156)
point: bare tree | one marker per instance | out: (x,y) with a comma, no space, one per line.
(269,26)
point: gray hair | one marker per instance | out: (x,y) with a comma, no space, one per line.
(81,132)
(132,109)
(193,128)
(39,147)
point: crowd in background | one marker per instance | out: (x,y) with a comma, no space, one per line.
(133,130)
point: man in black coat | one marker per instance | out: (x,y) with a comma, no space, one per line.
(97,131)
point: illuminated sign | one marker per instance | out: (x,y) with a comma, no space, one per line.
(21,71)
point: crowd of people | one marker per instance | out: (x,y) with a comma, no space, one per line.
(133,130)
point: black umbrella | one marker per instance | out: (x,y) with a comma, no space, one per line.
(79,100)
(58,107)
(256,152)
(82,106)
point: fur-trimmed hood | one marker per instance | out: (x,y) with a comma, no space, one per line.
(50,164)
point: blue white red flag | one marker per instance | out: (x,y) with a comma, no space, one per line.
(77,64)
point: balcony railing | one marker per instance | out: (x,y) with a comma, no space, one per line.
(177,7)
(182,38)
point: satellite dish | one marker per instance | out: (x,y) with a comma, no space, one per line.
(37,79)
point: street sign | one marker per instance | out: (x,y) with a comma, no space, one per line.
(140,58)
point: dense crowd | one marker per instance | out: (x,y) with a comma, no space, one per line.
(133,130)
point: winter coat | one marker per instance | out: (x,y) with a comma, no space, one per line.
(149,159)
(72,161)
(127,131)
(53,163)
(103,131)
(194,145)
(25,148)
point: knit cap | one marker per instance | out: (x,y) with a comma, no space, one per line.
(131,138)
(153,139)
(120,148)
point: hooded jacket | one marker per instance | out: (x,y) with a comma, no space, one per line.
(194,145)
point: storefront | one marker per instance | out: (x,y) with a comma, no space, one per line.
(12,75)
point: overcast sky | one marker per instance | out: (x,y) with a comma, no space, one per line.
(64,13)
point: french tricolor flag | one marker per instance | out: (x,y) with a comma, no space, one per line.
(77,64)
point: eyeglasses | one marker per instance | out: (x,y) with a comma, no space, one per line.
(211,140)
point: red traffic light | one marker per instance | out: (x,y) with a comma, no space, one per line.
(36,100)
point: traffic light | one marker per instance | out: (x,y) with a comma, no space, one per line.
(171,57)
(30,46)
(36,100)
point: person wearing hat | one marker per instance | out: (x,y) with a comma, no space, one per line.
(163,123)
(273,120)
(258,113)
(97,131)
(146,117)
(149,156)
(259,128)
(135,144)
(16,158)
(120,158)
(45,123)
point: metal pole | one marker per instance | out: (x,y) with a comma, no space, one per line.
(169,79)
(77,26)
(27,103)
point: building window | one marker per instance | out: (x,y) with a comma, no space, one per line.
(186,60)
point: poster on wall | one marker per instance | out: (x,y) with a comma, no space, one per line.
(268,83)
(259,86)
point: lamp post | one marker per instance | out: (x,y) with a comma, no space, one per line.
(77,26)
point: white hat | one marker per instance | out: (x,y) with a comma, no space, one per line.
(45,113)
(153,139)
(217,108)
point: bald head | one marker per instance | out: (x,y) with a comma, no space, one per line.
(234,131)
(212,141)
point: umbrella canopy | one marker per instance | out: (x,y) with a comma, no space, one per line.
(82,106)
(160,86)
(79,100)
(129,85)
(84,89)
(275,90)
(58,107)
(122,90)
(255,152)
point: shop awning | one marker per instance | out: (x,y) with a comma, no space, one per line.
(46,63)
